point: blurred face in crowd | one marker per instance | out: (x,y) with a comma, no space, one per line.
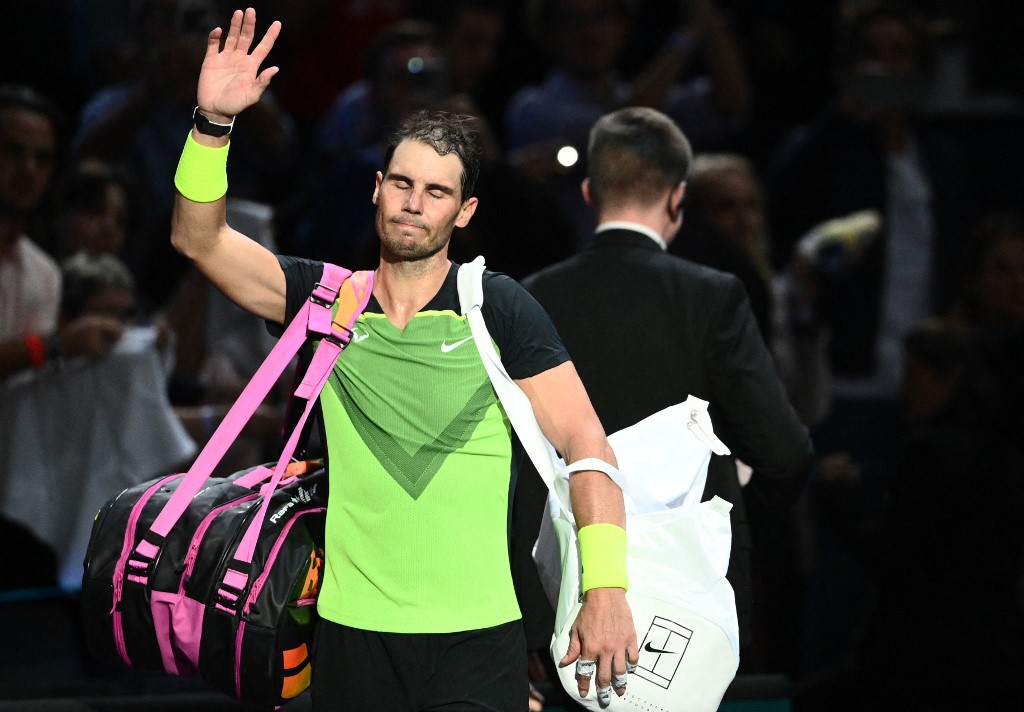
(470,46)
(885,74)
(103,228)
(587,35)
(1001,279)
(890,45)
(419,201)
(28,148)
(410,78)
(734,207)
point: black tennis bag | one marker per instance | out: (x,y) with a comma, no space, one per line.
(184,612)
(218,577)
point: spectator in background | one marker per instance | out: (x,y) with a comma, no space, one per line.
(944,628)
(405,71)
(133,124)
(868,153)
(30,282)
(30,288)
(725,227)
(992,306)
(520,228)
(96,211)
(585,39)
(688,331)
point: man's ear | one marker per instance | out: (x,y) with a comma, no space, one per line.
(675,201)
(376,188)
(466,212)
(585,190)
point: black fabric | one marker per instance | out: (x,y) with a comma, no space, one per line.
(527,341)
(408,672)
(645,329)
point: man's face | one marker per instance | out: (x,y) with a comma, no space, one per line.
(28,147)
(735,208)
(419,201)
(471,46)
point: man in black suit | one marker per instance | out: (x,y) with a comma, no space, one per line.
(646,329)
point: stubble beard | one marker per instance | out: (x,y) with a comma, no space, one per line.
(408,249)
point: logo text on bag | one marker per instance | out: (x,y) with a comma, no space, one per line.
(304,496)
(662,651)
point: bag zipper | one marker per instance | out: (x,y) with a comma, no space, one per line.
(254,592)
(126,549)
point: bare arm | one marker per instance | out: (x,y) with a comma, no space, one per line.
(568,421)
(229,82)
(603,630)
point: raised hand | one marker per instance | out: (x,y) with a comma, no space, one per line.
(230,80)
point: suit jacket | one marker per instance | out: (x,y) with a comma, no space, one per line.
(645,329)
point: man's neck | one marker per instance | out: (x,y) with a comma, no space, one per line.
(402,288)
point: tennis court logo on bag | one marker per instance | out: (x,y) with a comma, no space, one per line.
(662,651)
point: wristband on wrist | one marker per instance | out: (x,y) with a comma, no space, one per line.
(202,174)
(603,556)
(36,350)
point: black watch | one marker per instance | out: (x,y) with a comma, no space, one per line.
(207,127)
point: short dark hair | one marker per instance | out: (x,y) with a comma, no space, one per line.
(19,96)
(858,17)
(446,133)
(634,154)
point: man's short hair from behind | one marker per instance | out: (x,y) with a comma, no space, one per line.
(634,155)
(445,132)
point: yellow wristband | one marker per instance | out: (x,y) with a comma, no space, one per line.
(603,556)
(202,174)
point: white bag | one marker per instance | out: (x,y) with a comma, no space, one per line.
(678,547)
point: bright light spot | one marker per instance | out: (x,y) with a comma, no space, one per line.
(567,156)
(415,65)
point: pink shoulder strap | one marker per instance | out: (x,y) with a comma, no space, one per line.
(314,320)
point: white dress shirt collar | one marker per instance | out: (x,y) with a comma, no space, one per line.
(635,227)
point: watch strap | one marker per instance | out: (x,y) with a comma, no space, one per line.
(209,128)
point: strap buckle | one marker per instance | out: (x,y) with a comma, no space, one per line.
(323,301)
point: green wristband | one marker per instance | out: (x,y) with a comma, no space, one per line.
(603,556)
(202,174)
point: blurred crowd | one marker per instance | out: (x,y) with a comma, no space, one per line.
(858,166)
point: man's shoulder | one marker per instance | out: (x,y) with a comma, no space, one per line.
(34,258)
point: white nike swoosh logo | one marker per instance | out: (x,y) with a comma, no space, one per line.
(446,347)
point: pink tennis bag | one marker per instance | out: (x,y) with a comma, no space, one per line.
(218,577)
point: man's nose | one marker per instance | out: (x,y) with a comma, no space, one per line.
(413,201)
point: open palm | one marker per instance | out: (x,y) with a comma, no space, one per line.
(231,80)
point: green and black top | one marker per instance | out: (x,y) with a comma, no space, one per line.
(420,460)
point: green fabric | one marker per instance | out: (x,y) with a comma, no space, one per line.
(420,454)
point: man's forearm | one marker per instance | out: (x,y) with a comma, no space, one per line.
(196,225)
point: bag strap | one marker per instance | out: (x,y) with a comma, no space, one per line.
(314,320)
(520,411)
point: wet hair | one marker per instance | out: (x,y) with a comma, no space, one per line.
(634,154)
(446,133)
